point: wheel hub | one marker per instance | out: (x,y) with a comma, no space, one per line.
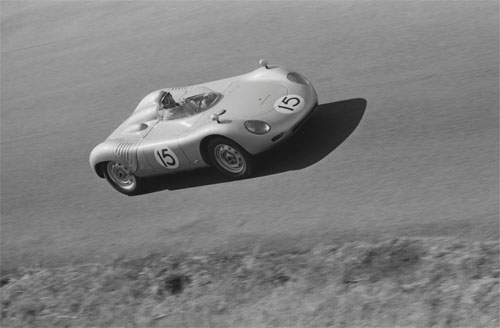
(121,175)
(229,158)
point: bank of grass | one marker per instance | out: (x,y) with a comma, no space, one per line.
(402,282)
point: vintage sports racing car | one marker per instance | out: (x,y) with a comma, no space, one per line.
(221,123)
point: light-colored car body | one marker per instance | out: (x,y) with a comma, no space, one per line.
(149,145)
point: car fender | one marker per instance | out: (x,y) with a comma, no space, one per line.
(193,141)
(120,150)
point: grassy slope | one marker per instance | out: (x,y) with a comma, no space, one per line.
(402,282)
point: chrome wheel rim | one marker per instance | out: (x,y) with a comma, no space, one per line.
(230,159)
(121,175)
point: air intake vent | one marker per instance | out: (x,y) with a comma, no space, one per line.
(126,151)
(180,88)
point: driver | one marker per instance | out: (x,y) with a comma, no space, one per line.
(167,101)
(168,107)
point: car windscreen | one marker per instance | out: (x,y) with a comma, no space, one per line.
(189,106)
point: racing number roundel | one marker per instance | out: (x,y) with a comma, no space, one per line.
(166,158)
(290,104)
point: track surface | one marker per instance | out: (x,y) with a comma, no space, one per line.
(406,142)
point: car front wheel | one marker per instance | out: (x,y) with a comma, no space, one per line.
(229,158)
(120,178)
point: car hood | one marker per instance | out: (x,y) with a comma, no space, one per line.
(249,99)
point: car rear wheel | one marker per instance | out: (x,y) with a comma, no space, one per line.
(229,158)
(120,178)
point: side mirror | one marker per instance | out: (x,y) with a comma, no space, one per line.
(215,116)
(263,63)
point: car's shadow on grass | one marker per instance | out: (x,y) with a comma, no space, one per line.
(327,128)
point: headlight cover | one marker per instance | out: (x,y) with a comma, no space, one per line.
(296,78)
(257,127)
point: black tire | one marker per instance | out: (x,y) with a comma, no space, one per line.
(229,158)
(120,178)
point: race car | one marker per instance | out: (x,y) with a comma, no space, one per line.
(222,123)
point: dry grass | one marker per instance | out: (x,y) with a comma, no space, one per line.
(403,282)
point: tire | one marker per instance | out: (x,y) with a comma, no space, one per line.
(120,178)
(229,158)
